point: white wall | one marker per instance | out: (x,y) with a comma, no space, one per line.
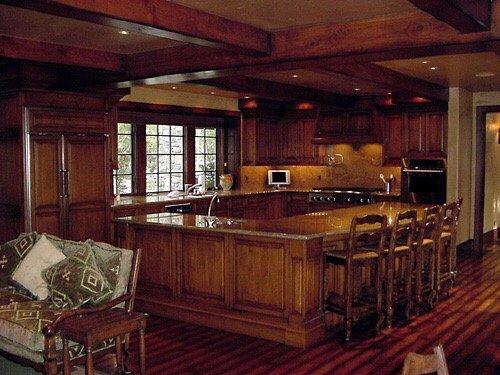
(492,175)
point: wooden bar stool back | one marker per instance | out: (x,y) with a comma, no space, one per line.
(398,282)
(366,242)
(428,239)
(446,256)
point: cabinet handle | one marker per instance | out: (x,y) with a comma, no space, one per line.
(66,183)
(61,183)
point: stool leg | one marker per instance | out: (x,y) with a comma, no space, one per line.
(66,366)
(119,354)
(89,362)
(142,352)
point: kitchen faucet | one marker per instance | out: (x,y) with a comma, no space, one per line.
(212,201)
(189,189)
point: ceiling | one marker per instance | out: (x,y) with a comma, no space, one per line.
(198,89)
(278,14)
(27,24)
(453,70)
(326,81)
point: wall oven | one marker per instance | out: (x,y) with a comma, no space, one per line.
(423,181)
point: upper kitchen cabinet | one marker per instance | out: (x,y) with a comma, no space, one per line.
(274,134)
(352,126)
(416,134)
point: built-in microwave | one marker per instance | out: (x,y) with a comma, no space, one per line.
(278,177)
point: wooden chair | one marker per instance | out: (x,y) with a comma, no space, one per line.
(398,289)
(428,239)
(364,249)
(416,364)
(445,271)
(50,331)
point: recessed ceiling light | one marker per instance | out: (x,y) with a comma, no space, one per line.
(246,97)
(389,93)
(212,92)
(485,74)
(356,89)
(174,87)
(124,32)
(433,68)
(425,62)
(295,75)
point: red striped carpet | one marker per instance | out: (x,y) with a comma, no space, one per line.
(467,324)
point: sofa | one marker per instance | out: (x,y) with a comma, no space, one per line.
(29,316)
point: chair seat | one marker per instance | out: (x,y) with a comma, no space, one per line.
(445,235)
(342,255)
(425,242)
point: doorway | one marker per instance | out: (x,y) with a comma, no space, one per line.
(487,156)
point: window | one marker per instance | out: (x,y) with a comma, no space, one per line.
(206,155)
(164,158)
(124,176)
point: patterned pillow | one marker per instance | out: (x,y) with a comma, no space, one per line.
(109,262)
(77,280)
(12,252)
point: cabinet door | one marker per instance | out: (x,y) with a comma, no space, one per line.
(68,120)
(308,149)
(267,146)
(359,125)
(86,159)
(47,203)
(249,141)
(393,138)
(415,135)
(436,135)
(291,141)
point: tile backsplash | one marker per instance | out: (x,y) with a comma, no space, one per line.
(361,168)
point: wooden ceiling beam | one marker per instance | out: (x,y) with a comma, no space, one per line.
(22,49)
(279,91)
(467,16)
(159,18)
(389,78)
(183,63)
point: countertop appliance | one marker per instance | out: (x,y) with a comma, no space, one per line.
(423,180)
(334,197)
(278,178)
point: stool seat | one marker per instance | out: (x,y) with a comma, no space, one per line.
(365,255)
(445,235)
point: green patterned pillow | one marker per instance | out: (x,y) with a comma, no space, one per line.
(109,262)
(77,280)
(12,252)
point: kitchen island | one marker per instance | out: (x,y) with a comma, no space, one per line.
(263,278)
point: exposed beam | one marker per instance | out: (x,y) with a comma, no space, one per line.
(414,32)
(22,49)
(183,63)
(467,16)
(159,18)
(389,78)
(279,91)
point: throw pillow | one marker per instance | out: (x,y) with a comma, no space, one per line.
(12,252)
(77,280)
(29,271)
(109,262)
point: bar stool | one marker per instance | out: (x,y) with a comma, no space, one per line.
(364,249)
(446,256)
(398,289)
(428,239)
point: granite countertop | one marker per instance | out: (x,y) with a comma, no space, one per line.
(139,200)
(304,227)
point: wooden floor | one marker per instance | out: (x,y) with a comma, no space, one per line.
(467,324)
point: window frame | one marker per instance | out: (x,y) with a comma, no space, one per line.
(132,154)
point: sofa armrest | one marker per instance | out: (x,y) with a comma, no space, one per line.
(51,329)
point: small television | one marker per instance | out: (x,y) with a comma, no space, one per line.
(278,178)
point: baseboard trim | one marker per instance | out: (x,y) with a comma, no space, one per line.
(489,237)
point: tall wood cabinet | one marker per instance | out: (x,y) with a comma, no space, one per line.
(415,134)
(61,143)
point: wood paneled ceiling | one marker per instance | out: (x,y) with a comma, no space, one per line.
(274,15)
(32,25)
(470,71)
(314,48)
